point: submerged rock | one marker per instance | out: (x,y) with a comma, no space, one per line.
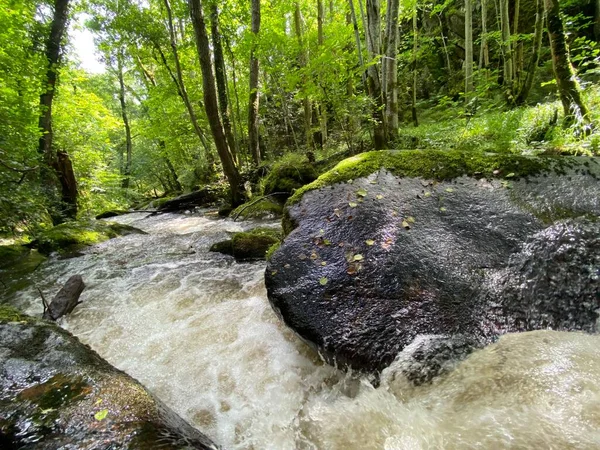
(249,245)
(72,236)
(58,393)
(436,253)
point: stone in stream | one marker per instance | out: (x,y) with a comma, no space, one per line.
(66,300)
(426,255)
(249,245)
(56,393)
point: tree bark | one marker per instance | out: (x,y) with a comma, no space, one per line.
(568,87)
(54,171)
(535,55)
(484,54)
(415,117)
(221,78)
(321,40)
(390,68)
(254,101)
(125,169)
(468,51)
(506,46)
(179,83)
(373,32)
(361,61)
(210,101)
(303,61)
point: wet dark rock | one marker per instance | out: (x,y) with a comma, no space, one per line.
(203,197)
(66,300)
(249,245)
(58,393)
(111,213)
(373,265)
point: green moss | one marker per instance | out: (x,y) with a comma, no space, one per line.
(288,176)
(272,249)
(11,254)
(434,164)
(71,236)
(10,314)
(258,209)
(252,244)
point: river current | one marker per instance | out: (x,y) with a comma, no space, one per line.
(196,328)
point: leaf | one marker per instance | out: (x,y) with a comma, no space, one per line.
(361,192)
(337,212)
(369,242)
(411,219)
(427,194)
(324,263)
(449,190)
(406,225)
(379,196)
(353,204)
(326,242)
(442,209)
(358,257)
(323,281)
(101,415)
(510,175)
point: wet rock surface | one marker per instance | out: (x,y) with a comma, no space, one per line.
(383,264)
(57,393)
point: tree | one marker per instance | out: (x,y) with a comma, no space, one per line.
(535,55)
(125,162)
(58,164)
(468,50)
(254,97)
(390,68)
(568,87)
(210,100)
(373,33)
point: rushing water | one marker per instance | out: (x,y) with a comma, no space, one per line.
(196,328)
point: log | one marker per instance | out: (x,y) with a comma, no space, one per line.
(66,300)
(203,197)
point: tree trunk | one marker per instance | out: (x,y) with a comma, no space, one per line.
(390,68)
(468,51)
(179,83)
(373,32)
(484,54)
(54,170)
(126,170)
(254,102)
(506,46)
(568,87)
(221,78)
(535,55)
(321,39)
(518,51)
(303,61)
(415,118)
(210,101)
(361,61)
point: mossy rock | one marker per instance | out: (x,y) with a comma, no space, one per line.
(438,165)
(111,213)
(72,236)
(286,177)
(262,208)
(249,245)
(56,392)
(12,254)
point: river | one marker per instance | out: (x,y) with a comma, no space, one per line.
(196,328)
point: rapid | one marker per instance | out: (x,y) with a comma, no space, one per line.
(196,329)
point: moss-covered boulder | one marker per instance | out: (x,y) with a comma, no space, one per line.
(287,176)
(429,254)
(249,245)
(111,213)
(17,261)
(56,392)
(12,254)
(72,236)
(261,208)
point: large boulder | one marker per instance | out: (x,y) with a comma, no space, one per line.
(249,245)
(57,393)
(435,253)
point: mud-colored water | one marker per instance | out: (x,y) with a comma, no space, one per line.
(196,328)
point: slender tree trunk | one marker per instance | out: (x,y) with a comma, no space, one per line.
(237,116)
(361,61)
(391,68)
(415,118)
(58,166)
(254,102)
(568,87)
(373,32)
(468,51)
(126,169)
(179,83)
(210,101)
(506,46)
(321,40)
(221,78)
(484,54)
(535,54)
(303,60)
(446,53)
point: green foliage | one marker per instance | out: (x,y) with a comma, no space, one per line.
(289,174)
